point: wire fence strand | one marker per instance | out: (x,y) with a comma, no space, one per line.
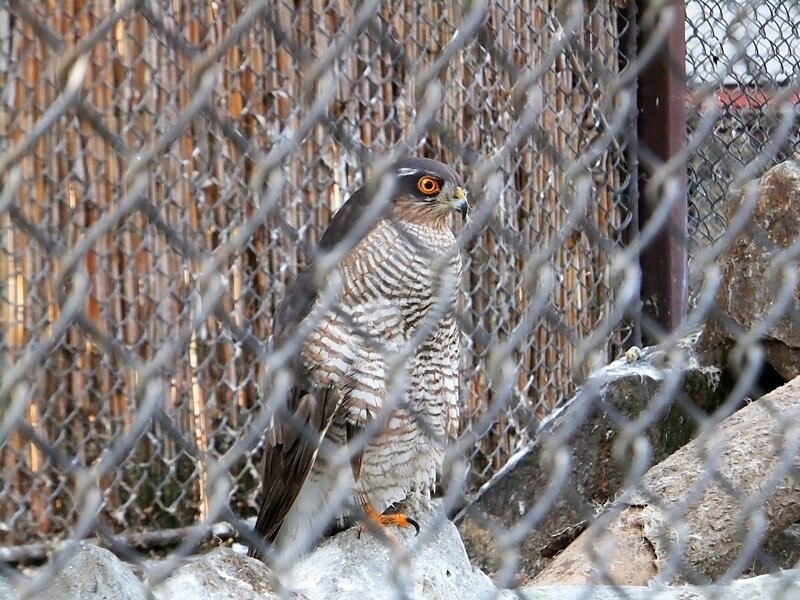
(167,169)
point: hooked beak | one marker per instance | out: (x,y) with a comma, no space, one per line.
(458,201)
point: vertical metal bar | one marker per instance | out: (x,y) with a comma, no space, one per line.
(661,128)
(628,48)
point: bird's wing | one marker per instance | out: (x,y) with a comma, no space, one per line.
(305,289)
(290,451)
(295,434)
(296,430)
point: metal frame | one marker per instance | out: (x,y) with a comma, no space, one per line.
(661,128)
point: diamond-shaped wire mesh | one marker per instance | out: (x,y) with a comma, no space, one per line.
(168,168)
(744,103)
(140,79)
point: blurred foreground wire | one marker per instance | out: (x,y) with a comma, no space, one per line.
(166,169)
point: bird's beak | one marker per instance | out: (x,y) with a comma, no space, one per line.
(458,201)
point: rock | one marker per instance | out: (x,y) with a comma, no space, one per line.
(764,587)
(6,591)
(752,265)
(437,567)
(781,551)
(590,426)
(94,573)
(433,566)
(219,575)
(716,534)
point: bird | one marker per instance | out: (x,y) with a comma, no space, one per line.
(395,282)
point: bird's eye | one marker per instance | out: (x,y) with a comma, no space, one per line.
(428,186)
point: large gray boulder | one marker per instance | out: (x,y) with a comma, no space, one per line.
(754,270)
(702,513)
(6,591)
(645,393)
(436,566)
(432,566)
(93,573)
(219,575)
(784,585)
(344,568)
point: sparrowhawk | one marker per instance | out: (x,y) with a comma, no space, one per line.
(375,373)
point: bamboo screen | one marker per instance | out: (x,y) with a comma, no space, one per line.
(113,209)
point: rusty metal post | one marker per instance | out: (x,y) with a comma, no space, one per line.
(661,136)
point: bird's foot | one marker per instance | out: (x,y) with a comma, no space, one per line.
(400,520)
(377,522)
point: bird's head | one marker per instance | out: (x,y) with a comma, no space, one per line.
(427,191)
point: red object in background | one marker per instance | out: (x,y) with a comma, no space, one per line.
(753,98)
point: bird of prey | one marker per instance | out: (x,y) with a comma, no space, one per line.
(395,288)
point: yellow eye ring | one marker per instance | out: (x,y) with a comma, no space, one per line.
(428,185)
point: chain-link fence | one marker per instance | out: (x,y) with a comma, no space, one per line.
(743,98)
(169,167)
